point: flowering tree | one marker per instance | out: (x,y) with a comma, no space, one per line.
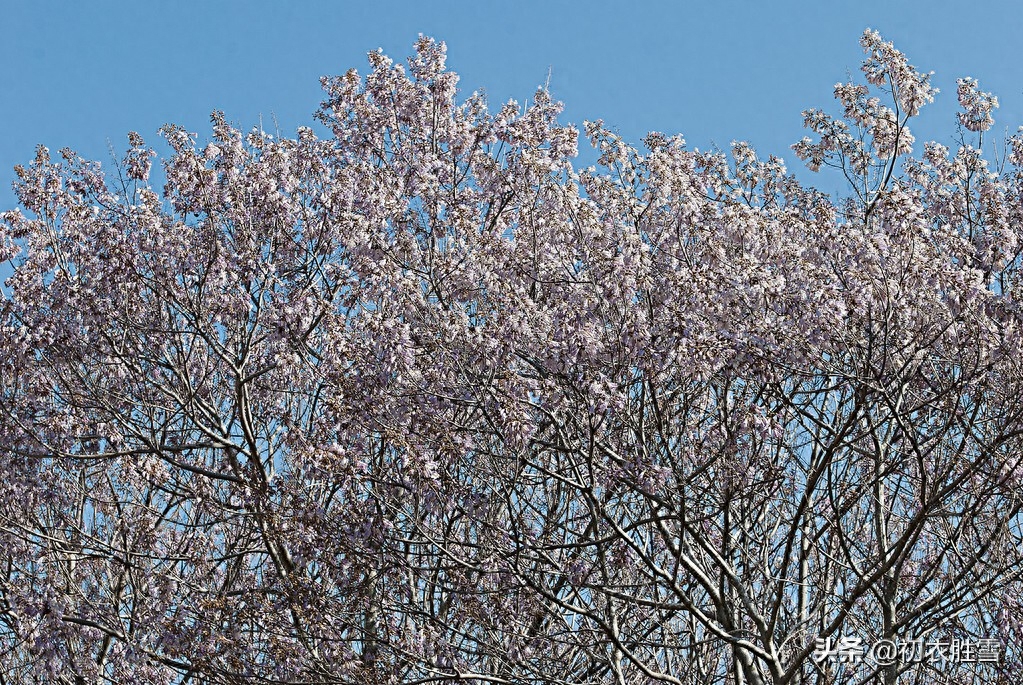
(418,401)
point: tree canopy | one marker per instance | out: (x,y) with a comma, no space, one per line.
(410,398)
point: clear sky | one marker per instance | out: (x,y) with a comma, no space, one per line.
(82,74)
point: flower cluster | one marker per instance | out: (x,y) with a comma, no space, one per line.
(977,104)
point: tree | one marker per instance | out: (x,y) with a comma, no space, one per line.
(418,401)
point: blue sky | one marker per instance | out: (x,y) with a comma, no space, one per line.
(82,74)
